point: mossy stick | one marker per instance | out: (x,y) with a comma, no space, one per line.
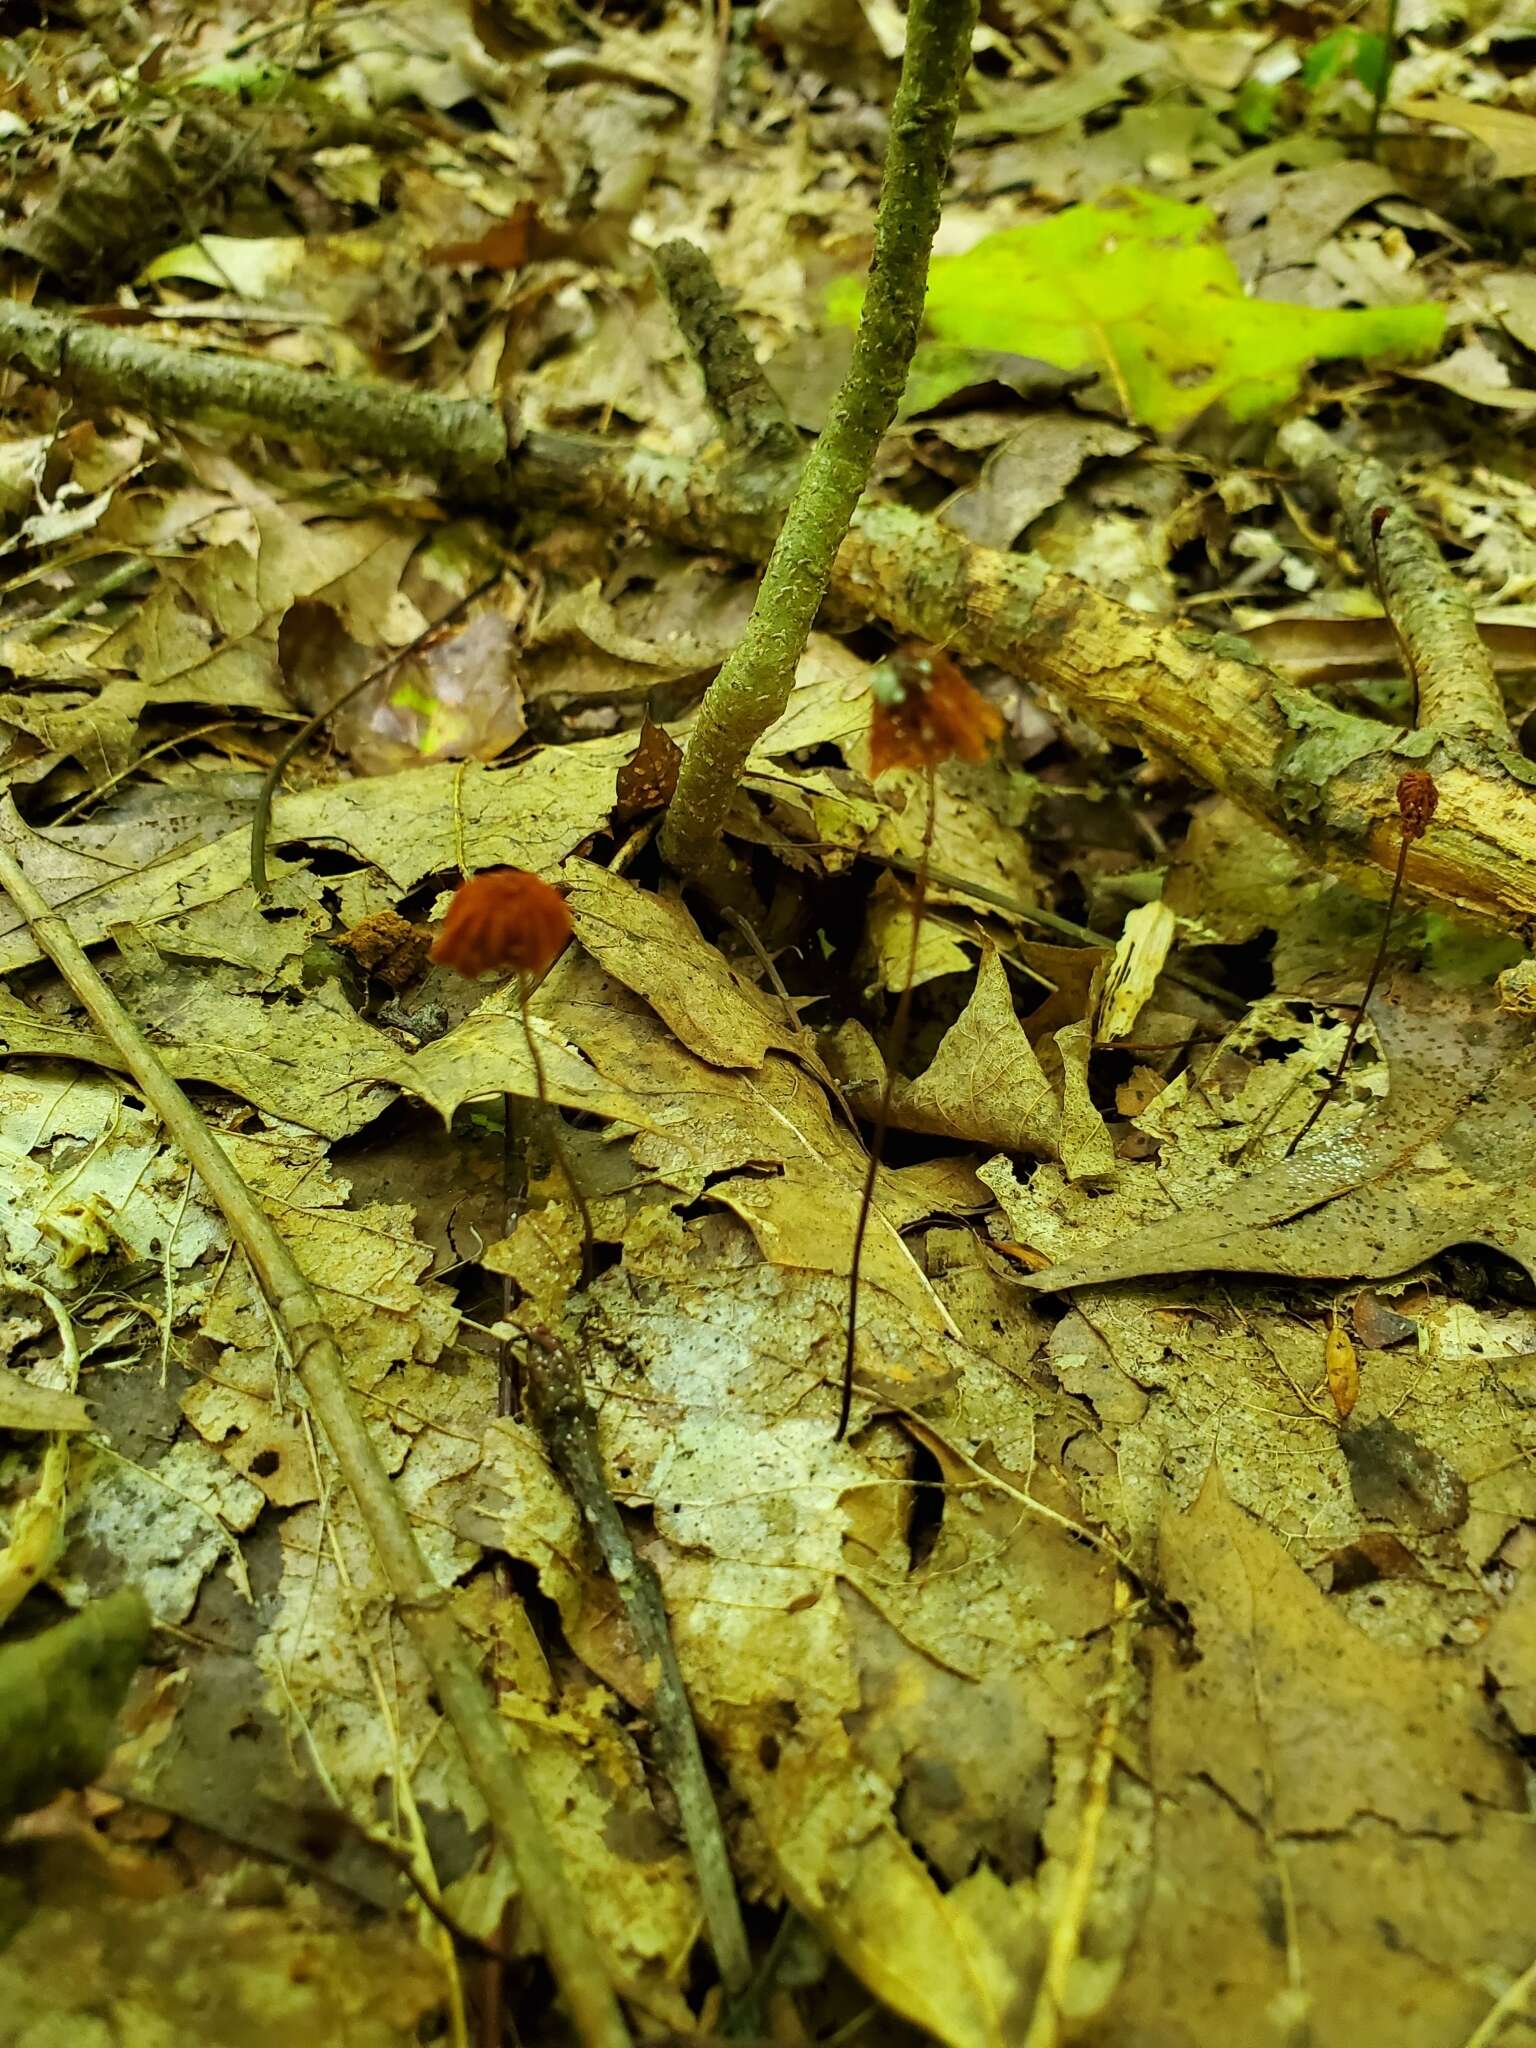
(1428,608)
(746,407)
(753,686)
(1203,701)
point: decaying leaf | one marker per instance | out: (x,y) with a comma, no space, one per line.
(647,779)
(1154,1661)
(653,946)
(1132,973)
(1447,1160)
(1312,1784)
(858,1705)
(984,1083)
(131,1957)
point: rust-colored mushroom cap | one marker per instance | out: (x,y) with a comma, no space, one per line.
(502,921)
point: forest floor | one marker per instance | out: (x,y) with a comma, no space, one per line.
(1153,1663)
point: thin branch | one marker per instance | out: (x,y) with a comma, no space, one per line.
(749,411)
(895,1046)
(422,1601)
(1204,701)
(466,445)
(1511,2004)
(1428,608)
(559,1404)
(1066,1937)
(753,686)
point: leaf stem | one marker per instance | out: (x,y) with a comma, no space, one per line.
(557,1143)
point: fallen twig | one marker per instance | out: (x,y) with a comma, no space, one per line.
(1202,700)
(560,1406)
(1429,610)
(745,405)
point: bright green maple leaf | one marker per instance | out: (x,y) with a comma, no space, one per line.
(1140,289)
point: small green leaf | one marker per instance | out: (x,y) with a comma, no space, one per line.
(1141,290)
(1329,56)
(1373,62)
(247,79)
(1256,106)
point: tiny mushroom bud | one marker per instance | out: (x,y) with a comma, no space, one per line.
(1417,797)
(927,713)
(500,922)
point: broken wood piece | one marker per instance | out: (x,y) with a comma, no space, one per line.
(1318,777)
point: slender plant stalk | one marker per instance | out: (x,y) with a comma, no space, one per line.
(753,686)
(552,1132)
(558,1400)
(1337,1075)
(895,1046)
(1066,1936)
(422,1601)
(1414,826)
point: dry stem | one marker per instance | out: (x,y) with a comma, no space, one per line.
(566,1421)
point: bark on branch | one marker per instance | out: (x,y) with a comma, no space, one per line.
(750,414)
(1323,780)
(1455,688)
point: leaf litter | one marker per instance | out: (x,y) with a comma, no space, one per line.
(1155,1659)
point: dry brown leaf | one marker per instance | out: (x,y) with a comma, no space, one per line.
(1449,1159)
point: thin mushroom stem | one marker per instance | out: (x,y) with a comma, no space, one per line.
(1358,1019)
(1416,801)
(895,1046)
(557,1143)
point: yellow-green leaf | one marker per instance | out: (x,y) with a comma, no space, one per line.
(1140,290)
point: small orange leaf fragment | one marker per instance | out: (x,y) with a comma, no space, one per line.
(1342,1370)
(1022,1254)
(502,921)
(928,714)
